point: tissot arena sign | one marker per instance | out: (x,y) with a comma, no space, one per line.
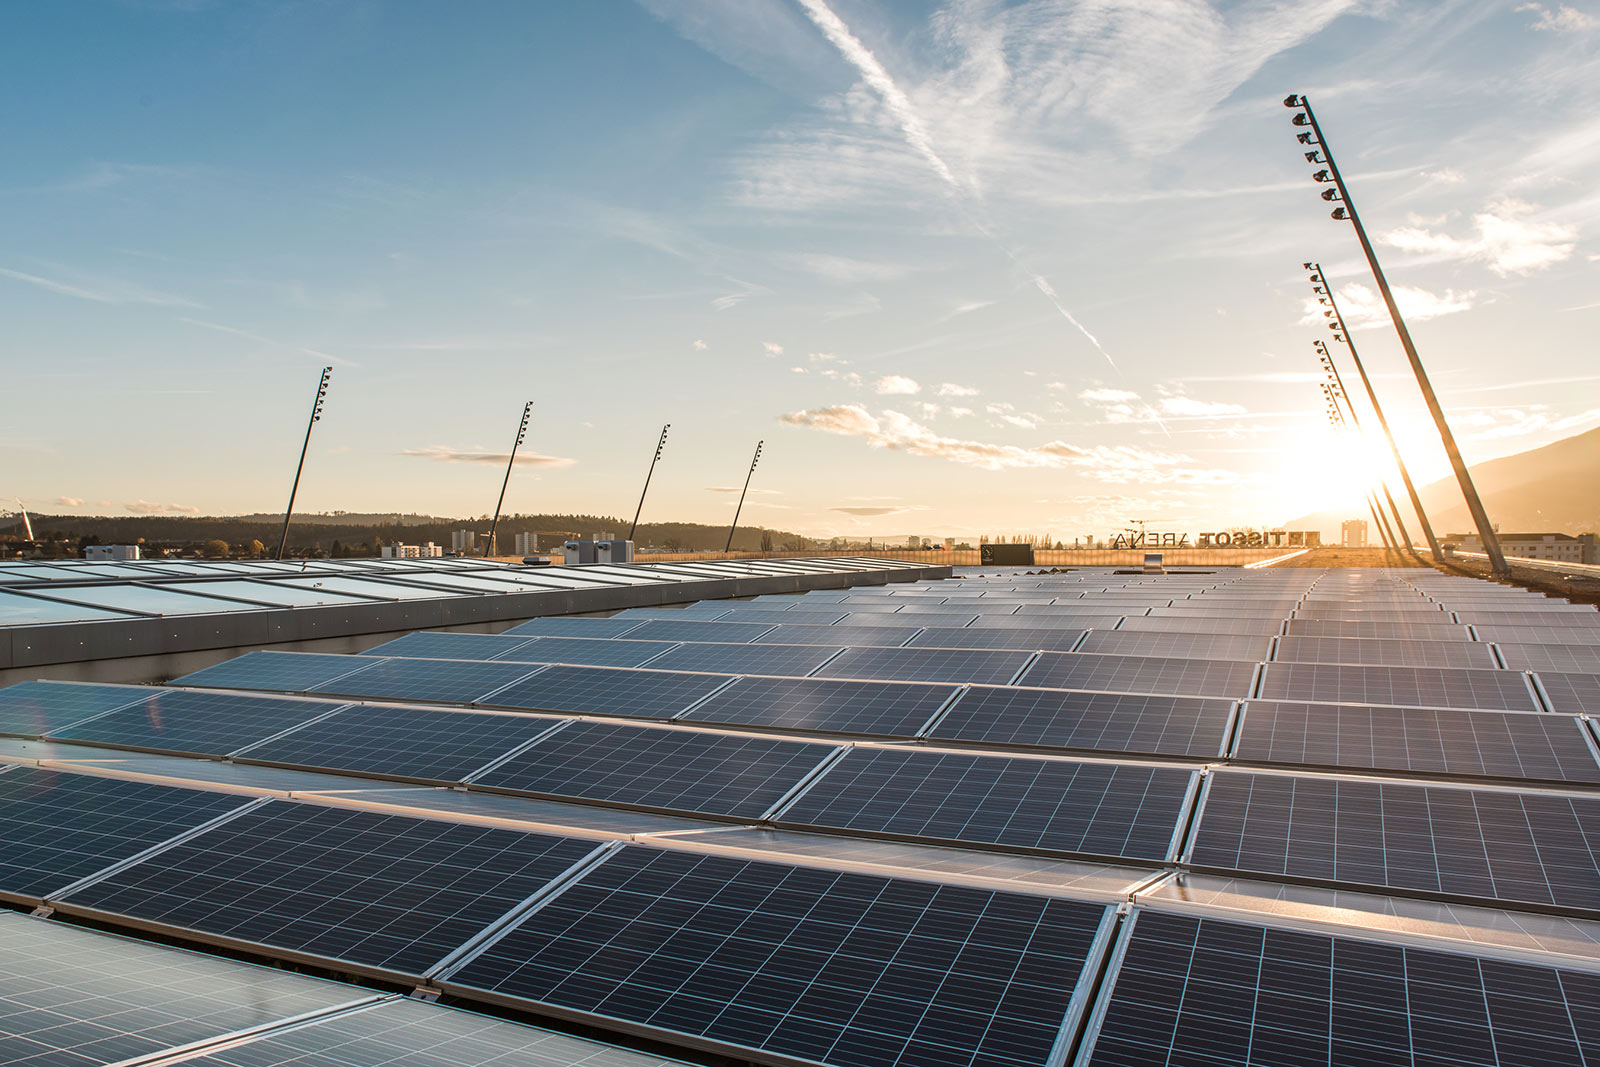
(1219,539)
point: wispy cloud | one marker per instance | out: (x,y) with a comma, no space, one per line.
(150,507)
(459,455)
(259,339)
(772,348)
(868,511)
(1509,238)
(952,389)
(1564,19)
(897,385)
(101,290)
(1362,307)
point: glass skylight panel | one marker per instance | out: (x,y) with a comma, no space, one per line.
(371,588)
(148,599)
(35,611)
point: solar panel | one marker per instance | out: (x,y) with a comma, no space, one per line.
(1571,693)
(452,681)
(410,1033)
(746,659)
(696,630)
(1413,687)
(608,652)
(1586,620)
(1106,809)
(882,708)
(860,636)
(1168,625)
(1496,744)
(428,743)
(686,770)
(1208,991)
(906,623)
(969,637)
(56,828)
(449,646)
(788,618)
(569,627)
(1177,646)
(1395,653)
(1544,635)
(381,891)
(1443,630)
(1497,844)
(847,969)
(33,709)
(1577,659)
(189,721)
(1141,674)
(1110,722)
(1065,621)
(287,672)
(610,691)
(926,665)
(72,997)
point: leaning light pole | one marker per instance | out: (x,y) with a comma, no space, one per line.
(1321,155)
(1337,384)
(522,431)
(747,476)
(1341,332)
(653,461)
(1379,526)
(316,416)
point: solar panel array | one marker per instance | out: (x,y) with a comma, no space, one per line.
(1356,815)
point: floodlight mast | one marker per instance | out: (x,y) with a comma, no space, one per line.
(653,461)
(1341,332)
(316,416)
(748,474)
(1379,525)
(1304,116)
(1339,390)
(522,431)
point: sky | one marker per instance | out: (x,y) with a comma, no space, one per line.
(964,267)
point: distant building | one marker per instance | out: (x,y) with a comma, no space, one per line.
(464,541)
(111,552)
(399,550)
(1562,548)
(1353,533)
(527,544)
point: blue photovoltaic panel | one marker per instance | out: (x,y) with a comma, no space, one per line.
(846,969)
(610,652)
(1208,991)
(450,646)
(697,630)
(1571,694)
(569,627)
(1571,619)
(852,636)
(787,618)
(1530,847)
(1104,620)
(610,691)
(762,658)
(1496,744)
(1544,635)
(56,828)
(1177,646)
(886,622)
(379,890)
(288,672)
(890,709)
(1109,722)
(1107,809)
(1142,674)
(207,723)
(1168,625)
(1392,652)
(451,681)
(687,770)
(1411,687)
(971,637)
(1577,659)
(401,742)
(33,709)
(1443,630)
(993,666)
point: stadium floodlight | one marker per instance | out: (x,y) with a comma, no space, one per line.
(662,443)
(316,416)
(1326,358)
(522,431)
(747,476)
(1305,117)
(1332,391)
(1324,294)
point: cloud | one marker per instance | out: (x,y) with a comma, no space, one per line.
(1564,19)
(148,507)
(897,385)
(1190,407)
(69,501)
(102,290)
(1362,307)
(772,347)
(870,511)
(1508,238)
(1487,424)
(699,345)
(825,357)
(952,389)
(737,488)
(258,339)
(456,455)
(845,269)
(958,413)
(1107,396)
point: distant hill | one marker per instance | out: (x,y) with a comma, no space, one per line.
(1554,489)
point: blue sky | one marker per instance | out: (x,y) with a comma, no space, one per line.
(970,267)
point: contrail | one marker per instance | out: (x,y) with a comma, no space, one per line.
(860,56)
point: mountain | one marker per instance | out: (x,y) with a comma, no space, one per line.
(1554,489)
